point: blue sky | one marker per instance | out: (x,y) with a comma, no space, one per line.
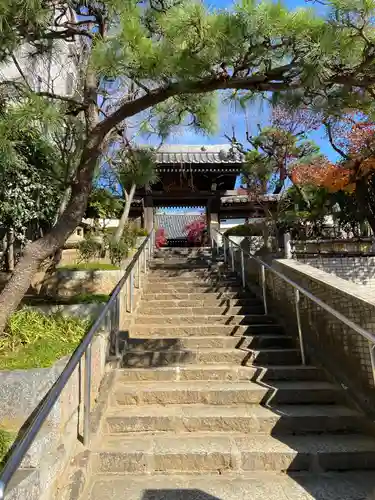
(229,118)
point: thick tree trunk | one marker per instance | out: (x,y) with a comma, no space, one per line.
(125,215)
(36,252)
(63,203)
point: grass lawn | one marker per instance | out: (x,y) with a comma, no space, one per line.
(36,340)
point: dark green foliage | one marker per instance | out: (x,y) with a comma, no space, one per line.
(104,205)
(118,251)
(90,248)
(29,176)
(81,298)
(245,230)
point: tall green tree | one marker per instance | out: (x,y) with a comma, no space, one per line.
(30,183)
(133,168)
(167,58)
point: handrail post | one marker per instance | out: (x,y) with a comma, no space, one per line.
(117,325)
(138,273)
(243,269)
(264,291)
(372,358)
(131,291)
(83,350)
(298,316)
(149,248)
(225,248)
(87,397)
(232,255)
(144,253)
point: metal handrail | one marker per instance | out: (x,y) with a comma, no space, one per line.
(84,348)
(364,333)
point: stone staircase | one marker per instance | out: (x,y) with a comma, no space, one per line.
(212,403)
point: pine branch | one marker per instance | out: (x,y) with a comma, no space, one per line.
(260,83)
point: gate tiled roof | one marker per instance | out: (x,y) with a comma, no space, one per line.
(210,154)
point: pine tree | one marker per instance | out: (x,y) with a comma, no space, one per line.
(163,60)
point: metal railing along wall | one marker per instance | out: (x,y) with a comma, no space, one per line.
(110,311)
(229,248)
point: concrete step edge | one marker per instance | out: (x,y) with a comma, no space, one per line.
(255,411)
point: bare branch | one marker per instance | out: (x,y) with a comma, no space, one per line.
(332,141)
(58,97)
(14,59)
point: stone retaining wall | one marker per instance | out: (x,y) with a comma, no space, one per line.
(22,390)
(20,393)
(359,270)
(67,282)
(343,352)
(332,246)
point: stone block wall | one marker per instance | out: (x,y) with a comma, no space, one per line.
(340,349)
(21,391)
(66,282)
(359,270)
(332,246)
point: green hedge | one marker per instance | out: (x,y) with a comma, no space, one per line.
(90,266)
(81,298)
(245,230)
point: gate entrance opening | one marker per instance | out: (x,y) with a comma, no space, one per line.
(202,180)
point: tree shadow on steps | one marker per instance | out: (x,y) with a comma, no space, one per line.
(183,494)
(152,352)
(323,458)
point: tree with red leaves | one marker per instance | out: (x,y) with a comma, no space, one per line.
(195,230)
(353,138)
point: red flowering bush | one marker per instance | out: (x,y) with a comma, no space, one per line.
(195,230)
(160,238)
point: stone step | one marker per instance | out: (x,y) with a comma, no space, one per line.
(226,393)
(205,288)
(202,320)
(198,282)
(215,452)
(173,357)
(190,273)
(169,309)
(211,305)
(202,330)
(282,419)
(209,297)
(222,372)
(180,265)
(243,486)
(216,342)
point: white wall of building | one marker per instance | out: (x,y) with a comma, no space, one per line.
(55,71)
